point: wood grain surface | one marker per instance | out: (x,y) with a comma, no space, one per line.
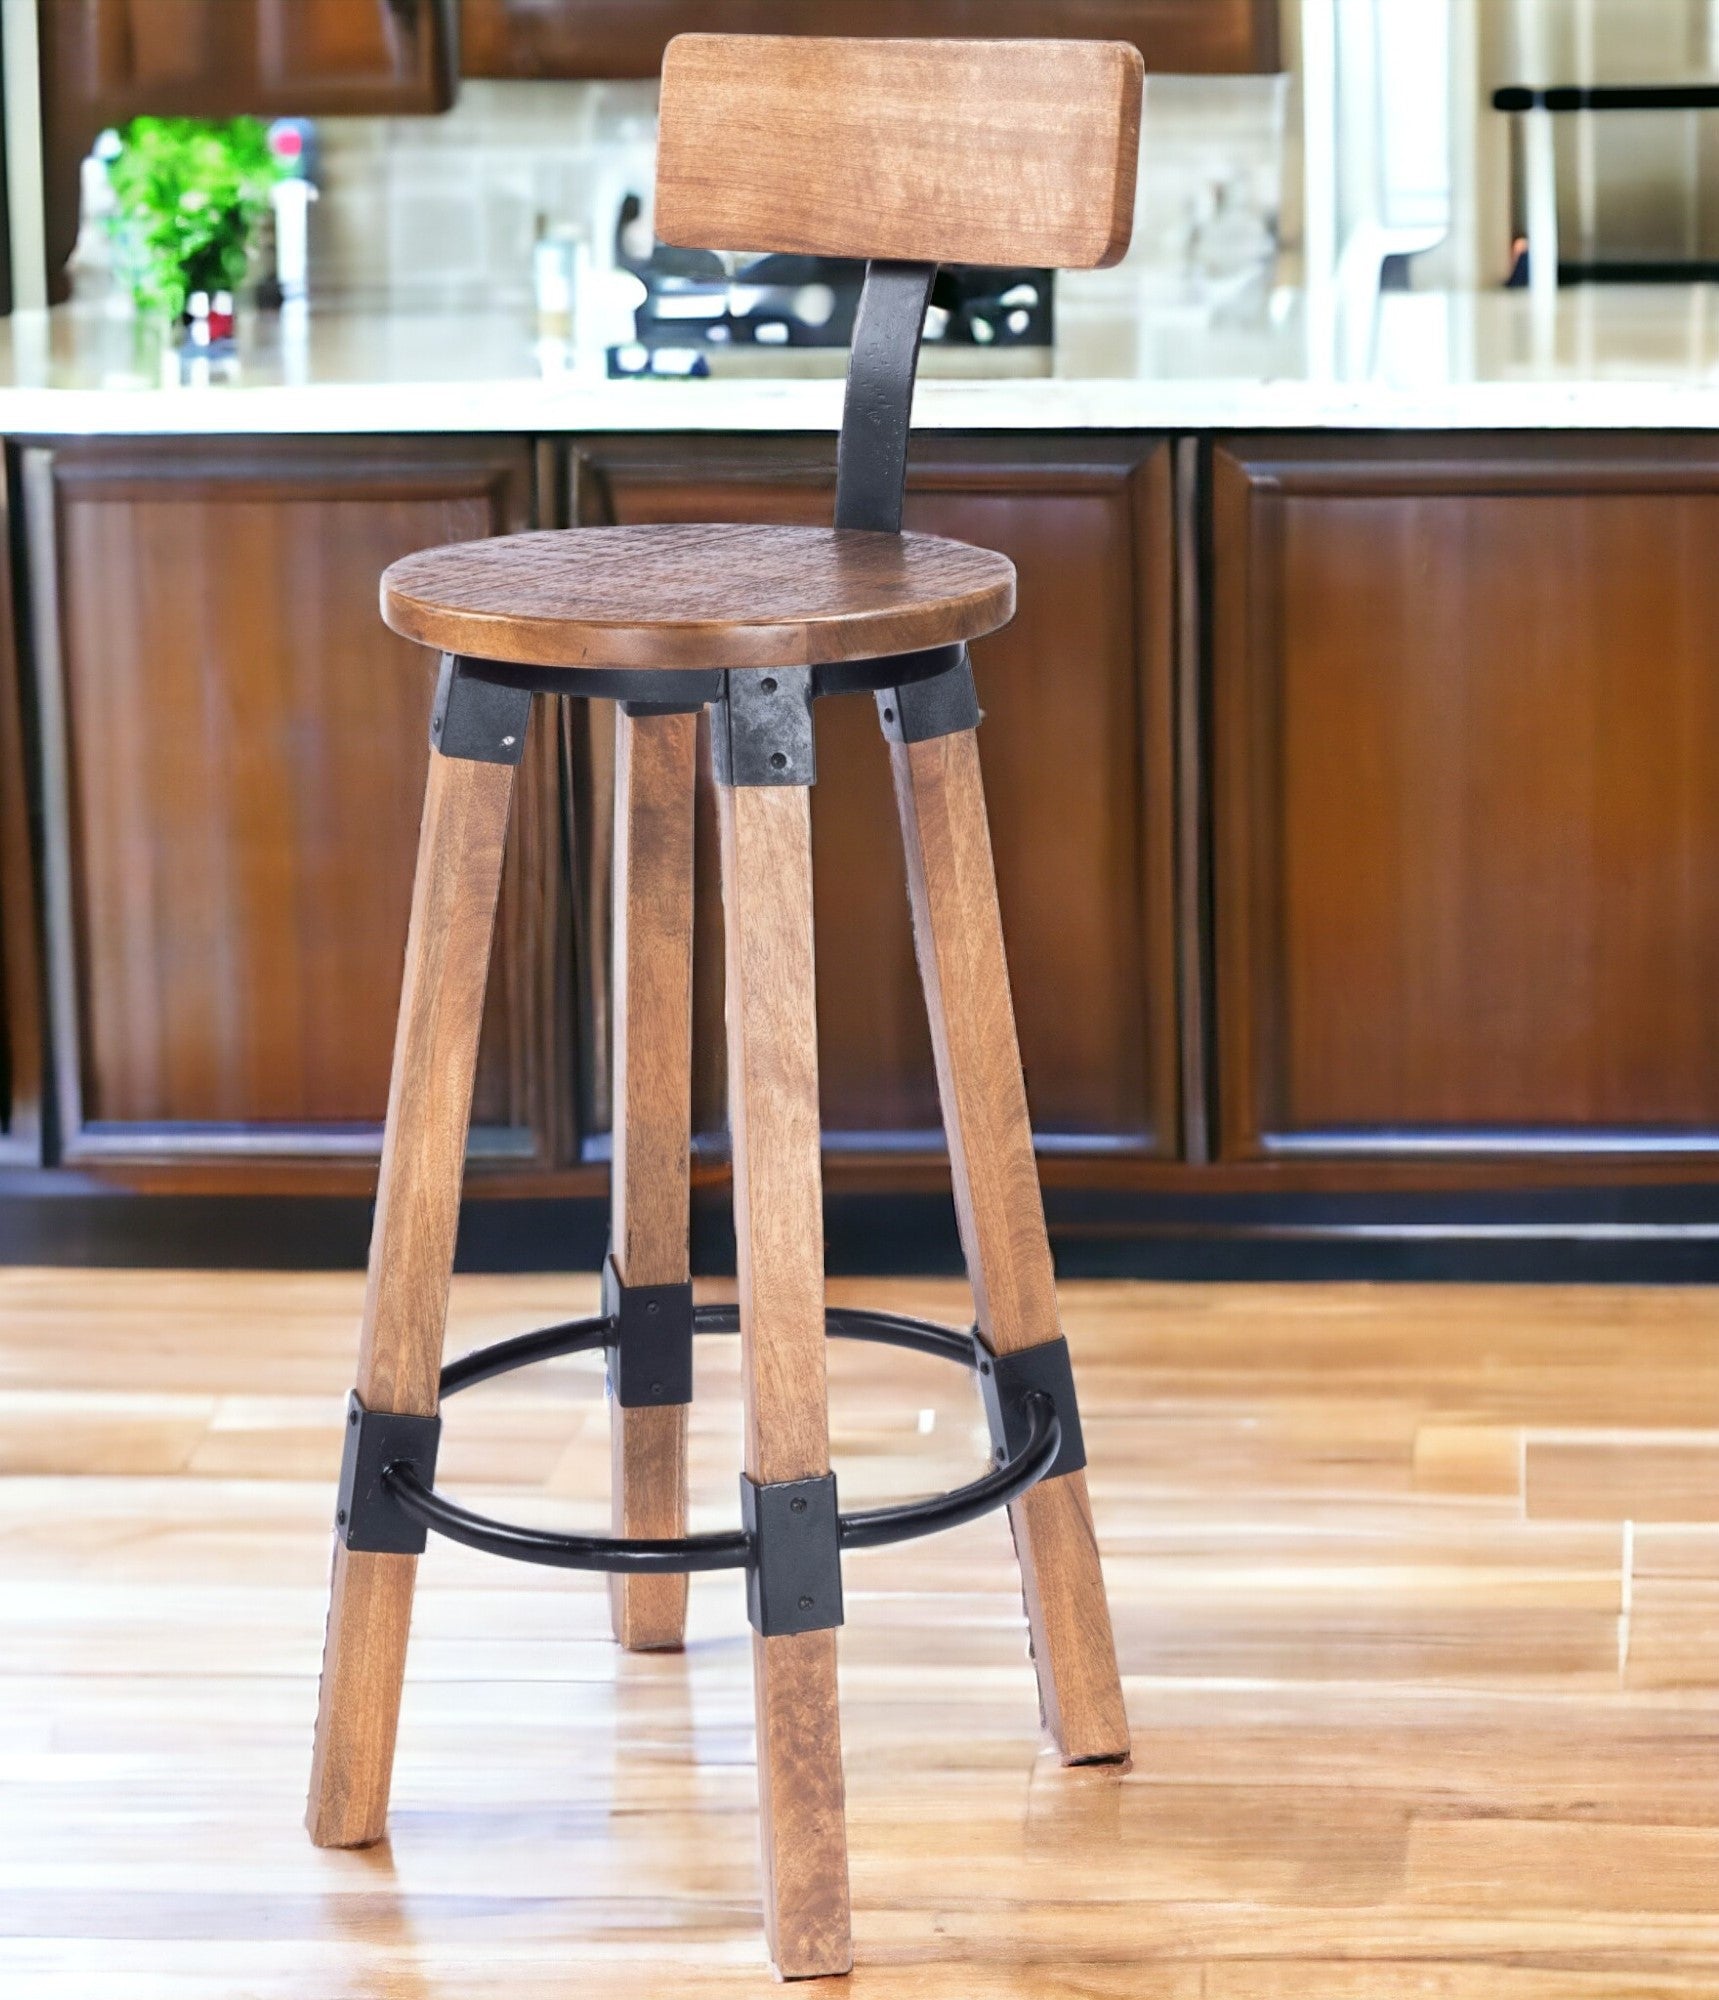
(778,1228)
(1463,715)
(940,152)
(1405,1730)
(411,1259)
(655,776)
(697,595)
(958,930)
(615,38)
(220,959)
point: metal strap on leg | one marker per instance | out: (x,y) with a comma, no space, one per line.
(1010,1384)
(650,1341)
(475,718)
(794,1571)
(917,711)
(367,1514)
(761,729)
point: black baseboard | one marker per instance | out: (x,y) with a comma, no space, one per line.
(1619,1235)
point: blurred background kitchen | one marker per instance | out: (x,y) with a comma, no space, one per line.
(494,156)
(1366,946)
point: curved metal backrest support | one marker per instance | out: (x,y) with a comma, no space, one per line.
(871,459)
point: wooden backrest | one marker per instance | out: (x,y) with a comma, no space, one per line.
(938,152)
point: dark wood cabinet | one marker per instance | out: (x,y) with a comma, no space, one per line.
(1077,752)
(627,37)
(104,61)
(234,750)
(1465,721)
(1350,796)
(319,58)
(111,59)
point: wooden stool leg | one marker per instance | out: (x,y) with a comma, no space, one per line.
(959,935)
(773,1100)
(655,774)
(454,896)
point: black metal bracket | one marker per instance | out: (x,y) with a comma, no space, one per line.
(639,705)
(794,1571)
(477,718)
(685,690)
(761,729)
(650,1341)
(871,459)
(1009,1384)
(368,1516)
(918,711)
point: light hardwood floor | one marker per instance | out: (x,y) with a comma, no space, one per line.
(1416,1593)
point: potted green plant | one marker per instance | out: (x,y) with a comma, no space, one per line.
(188,193)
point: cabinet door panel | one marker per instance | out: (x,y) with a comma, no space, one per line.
(627,37)
(1467,858)
(1076,747)
(236,750)
(353,55)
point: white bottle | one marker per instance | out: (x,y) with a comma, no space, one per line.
(291,200)
(91,264)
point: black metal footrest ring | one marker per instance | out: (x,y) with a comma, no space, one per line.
(1037,1444)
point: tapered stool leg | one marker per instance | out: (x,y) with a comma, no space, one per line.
(959,936)
(454,896)
(655,773)
(773,1099)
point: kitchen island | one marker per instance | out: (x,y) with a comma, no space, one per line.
(1348,761)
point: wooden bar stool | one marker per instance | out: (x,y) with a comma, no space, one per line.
(910,154)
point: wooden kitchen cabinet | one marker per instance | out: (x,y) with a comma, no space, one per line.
(627,37)
(217,58)
(104,61)
(1076,745)
(321,58)
(234,751)
(1465,721)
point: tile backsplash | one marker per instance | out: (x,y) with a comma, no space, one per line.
(420,213)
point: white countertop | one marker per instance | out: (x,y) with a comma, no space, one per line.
(1128,357)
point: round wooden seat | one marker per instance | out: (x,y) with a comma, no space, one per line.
(689,596)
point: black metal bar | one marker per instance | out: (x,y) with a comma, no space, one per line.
(875,1527)
(729,1550)
(1607,97)
(871,459)
(584,1336)
(661,690)
(1040,1443)
(685,690)
(919,1336)
(1638,271)
(573,1336)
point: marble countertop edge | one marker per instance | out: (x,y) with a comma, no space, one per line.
(474,408)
